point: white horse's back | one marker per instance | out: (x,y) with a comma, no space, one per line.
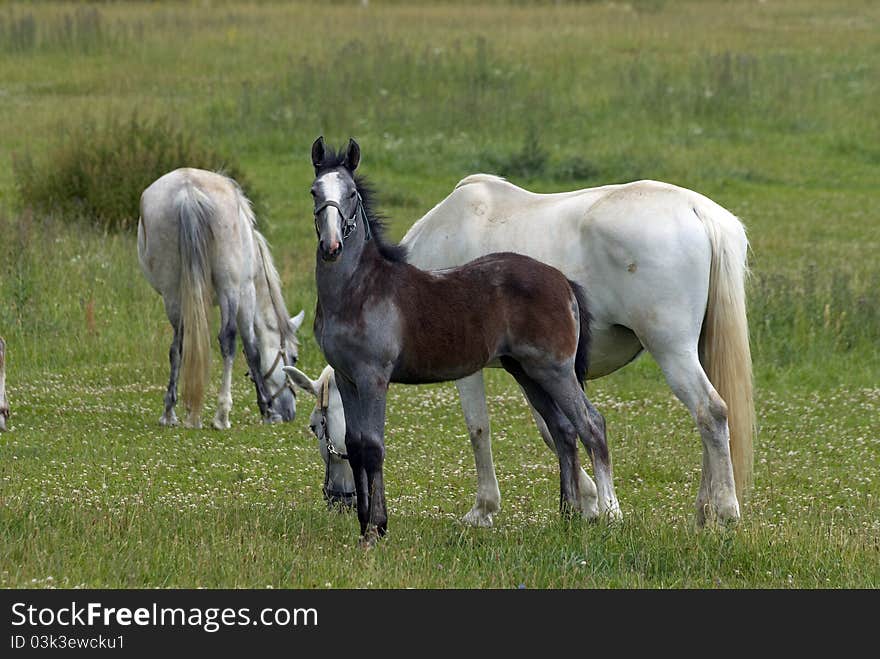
(158,229)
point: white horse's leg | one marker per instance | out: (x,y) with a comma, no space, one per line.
(246,314)
(472,393)
(226,338)
(589,497)
(687,379)
(169,417)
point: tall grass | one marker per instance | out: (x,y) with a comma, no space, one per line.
(96,173)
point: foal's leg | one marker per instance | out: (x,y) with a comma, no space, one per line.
(364,405)
(560,382)
(472,394)
(169,418)
(564,442)
(589,498)
(226,338)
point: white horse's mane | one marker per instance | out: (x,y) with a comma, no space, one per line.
(273,280)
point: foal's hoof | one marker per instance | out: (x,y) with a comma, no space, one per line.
(194,424)
(369,538)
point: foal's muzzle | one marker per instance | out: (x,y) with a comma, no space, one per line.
(332,251)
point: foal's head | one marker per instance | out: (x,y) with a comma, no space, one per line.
(344,213)
(338,205)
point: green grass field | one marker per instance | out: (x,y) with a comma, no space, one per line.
(768,108)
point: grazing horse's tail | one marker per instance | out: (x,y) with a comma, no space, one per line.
(194,210)
(724,342)
(582,356)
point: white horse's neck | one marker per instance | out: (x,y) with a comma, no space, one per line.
(267,323)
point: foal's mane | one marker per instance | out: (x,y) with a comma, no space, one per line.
(393,252)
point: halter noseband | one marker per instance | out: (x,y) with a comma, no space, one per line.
(288,384)
(350,224)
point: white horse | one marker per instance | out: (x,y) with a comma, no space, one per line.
(664,270)
(198,245)
(4,403)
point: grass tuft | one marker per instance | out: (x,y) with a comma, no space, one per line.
(97,172)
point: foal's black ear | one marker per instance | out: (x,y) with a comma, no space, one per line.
(352,155)
(318,152)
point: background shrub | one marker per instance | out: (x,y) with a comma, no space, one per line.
(97,173)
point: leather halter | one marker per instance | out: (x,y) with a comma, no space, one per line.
(331,495)
(280,358)
(325,404)
(350,224)
(288,382)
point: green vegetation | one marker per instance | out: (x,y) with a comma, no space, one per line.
(768,108)
(97,174)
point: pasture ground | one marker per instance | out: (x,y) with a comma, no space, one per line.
(768,108)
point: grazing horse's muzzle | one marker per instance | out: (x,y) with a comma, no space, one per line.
(339,499)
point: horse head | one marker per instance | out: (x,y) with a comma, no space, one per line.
(280,352)
(327,423)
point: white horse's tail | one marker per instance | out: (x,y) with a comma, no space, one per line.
(724,344)
(194,210)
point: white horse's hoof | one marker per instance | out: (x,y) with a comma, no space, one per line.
(590,509)
(727,514)
(614,514)
(478,518)
(168,420)
(221,424)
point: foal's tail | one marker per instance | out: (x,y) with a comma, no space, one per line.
(195,210)
(724,343)
(582,356)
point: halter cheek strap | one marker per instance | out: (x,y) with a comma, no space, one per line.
(325,404)
(288,385)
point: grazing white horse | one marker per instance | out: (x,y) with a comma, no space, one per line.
(664,269)
(4,403)
(198,245)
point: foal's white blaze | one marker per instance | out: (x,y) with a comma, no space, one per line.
(331,187)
